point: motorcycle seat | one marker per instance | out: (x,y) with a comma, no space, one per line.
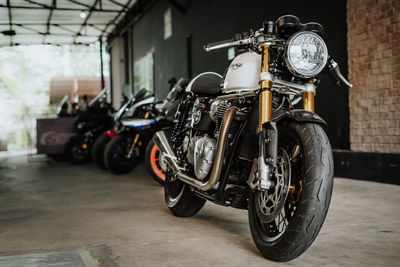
(207,83)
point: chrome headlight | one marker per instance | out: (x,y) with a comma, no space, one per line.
(306,54)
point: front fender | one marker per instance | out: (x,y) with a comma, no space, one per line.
(300,115)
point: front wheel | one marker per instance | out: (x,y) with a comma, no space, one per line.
(121,155)
(305,198)
(78,148)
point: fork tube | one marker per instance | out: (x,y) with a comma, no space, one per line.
(308,100)
(265,98)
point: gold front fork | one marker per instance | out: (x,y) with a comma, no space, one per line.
(308,100)
(265,98)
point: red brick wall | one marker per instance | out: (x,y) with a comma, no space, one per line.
(374,69)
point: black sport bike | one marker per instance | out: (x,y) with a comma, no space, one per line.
(89,124)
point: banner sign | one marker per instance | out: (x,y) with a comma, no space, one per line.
(53,134)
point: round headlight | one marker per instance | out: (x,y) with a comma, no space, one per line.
(306,54)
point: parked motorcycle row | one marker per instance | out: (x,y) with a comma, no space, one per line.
(118,140)
(238,140)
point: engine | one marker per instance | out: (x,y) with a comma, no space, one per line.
(200,145)
(205,122)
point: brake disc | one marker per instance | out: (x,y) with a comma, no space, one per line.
(269,203)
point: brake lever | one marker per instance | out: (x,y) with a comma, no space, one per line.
(335,67)
(227,43)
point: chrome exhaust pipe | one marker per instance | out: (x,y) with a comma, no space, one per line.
(161,141)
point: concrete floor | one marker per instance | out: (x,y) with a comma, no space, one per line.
(83,210)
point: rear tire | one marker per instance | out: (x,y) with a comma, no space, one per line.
(153,163)
(115,155)
(181,201)
(98,150)
(306,206)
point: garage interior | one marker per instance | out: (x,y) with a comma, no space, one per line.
(56,213)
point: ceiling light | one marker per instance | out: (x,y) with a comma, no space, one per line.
(82,15)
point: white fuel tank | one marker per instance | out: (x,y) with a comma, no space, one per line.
(243,73)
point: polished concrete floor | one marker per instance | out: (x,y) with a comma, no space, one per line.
(84,216)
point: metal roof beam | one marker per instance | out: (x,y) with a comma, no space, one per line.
(50,43)
(65,29)
(49,17)
(36,3)
(53,24)
(28,28)
(116,17)
(119,4)
(55,34)
(62,8)
(86,19)
(79,3)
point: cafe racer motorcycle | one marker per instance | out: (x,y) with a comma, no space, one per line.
(238,140)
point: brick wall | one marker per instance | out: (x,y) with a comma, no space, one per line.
(374,69)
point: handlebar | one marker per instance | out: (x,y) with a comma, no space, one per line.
(335,74)
(239,39)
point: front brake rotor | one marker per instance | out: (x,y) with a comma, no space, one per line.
(269,203)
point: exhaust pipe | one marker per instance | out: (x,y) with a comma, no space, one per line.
(161,141)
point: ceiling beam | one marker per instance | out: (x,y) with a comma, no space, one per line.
(29,29)
(116,18)
(53,24)
(119,4)
(79,3)
(53,5)
(55,34)
(65,29)
(86,19)
(62,8)
(49,43)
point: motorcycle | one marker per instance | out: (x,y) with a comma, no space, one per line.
(169,106)
(89,124)
(135,107)
(238,141)
(124,151)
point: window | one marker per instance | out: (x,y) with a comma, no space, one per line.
(143,70)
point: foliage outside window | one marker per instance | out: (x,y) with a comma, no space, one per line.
(25,73)
(144,73)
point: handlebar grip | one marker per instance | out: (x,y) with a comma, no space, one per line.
(330,68)
(334,78)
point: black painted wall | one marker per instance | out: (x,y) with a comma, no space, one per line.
(209,21)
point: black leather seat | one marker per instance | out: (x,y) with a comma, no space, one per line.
(208,83)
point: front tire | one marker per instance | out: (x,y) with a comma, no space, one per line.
(307,203)
(115,154)
(181,201)
(77,150)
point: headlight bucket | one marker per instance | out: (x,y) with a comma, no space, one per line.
(306,54)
